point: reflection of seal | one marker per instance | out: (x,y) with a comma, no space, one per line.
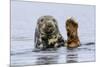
(72,29)
(47,34)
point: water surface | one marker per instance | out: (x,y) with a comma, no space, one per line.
(22,53)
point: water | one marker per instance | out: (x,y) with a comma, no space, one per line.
(24,17)
(21,53)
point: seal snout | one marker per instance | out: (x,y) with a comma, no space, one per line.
(49,27)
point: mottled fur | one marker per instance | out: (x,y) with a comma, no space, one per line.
(47,34)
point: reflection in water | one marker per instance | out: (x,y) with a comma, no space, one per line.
(67,56)
(46,60)
(25,56)
(72,56)
(47,57)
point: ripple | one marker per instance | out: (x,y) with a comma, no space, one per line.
(21,38)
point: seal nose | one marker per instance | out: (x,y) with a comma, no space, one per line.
(49,24)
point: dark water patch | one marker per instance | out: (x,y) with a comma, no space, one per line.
(86,49)
(47,59)
(46,50)
(72,57)
(72,50)
(72,61)
(26,51)
(15,66)
(22,38)
(69,55)
(89,43)
(21,53)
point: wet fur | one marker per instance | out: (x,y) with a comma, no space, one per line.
(72,34)
(43,39)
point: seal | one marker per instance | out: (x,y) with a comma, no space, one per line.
(47,34)
(72,33)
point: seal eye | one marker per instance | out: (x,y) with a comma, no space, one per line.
(42,20)
(54,20)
